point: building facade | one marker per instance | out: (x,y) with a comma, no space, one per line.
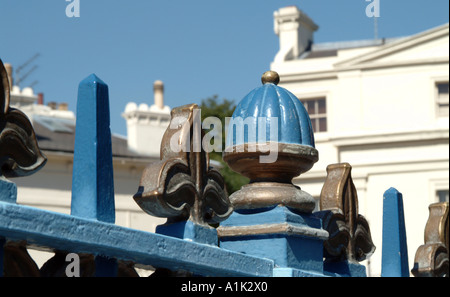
(380,105)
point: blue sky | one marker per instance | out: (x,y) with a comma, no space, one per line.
(199,48)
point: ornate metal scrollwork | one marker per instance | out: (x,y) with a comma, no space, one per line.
(349,232)
(19,156)
(432,257)
(19,151)
(18,262)
(182,185)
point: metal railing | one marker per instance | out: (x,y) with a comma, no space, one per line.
(277,236)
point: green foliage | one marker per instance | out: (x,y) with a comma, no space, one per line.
(213,107)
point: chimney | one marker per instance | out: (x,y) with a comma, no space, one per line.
(158,93)
(9,71)
(40,100)
(63,106)
(295,30)
(52,105)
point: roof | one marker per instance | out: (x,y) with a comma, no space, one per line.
(58,134)
(330,49)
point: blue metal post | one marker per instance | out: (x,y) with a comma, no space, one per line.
(8,194)
(292,240)
(2,251)
(395,251)
(8,190)
(92,180)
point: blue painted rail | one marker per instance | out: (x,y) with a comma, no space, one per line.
(90,228)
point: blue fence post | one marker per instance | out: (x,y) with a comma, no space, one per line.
(395,251)
(8,191)
(273,218)
(92,180)
(8,194)
(2,251)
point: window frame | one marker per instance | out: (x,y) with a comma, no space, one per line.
(439,102)
(317,116)
(439,195)
(436,186)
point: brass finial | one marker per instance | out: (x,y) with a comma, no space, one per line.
(431,258)
(182,186)
(349,231)
(270,77)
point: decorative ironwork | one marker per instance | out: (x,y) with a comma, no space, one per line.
(19,151)
(17,261)
(19,156)
(57,266)
(349,232)
(182,185)
(431,259)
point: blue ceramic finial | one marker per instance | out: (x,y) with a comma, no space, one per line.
(267,102)
(270,140)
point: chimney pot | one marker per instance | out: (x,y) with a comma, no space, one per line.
(63,106)
(52,105)
(40,99)
(158,93)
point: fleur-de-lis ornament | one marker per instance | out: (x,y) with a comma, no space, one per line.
(349,231)
(182,185)
(19,151)
(431,258)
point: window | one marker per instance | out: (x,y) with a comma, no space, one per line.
(317,111)
(442,195)
(442,98)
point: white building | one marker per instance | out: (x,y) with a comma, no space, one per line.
(147,124)
(380,105)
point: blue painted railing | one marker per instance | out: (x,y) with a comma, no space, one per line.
(90,228)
